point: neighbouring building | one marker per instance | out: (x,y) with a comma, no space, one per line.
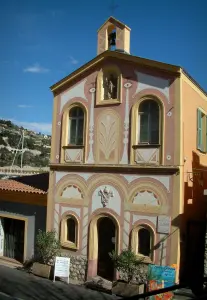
(124,137)
(23,208)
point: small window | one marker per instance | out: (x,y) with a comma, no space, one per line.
(71,230)
(76,126)
(144,242)
(201,131)
(149,123)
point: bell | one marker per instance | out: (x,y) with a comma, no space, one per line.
(112,39)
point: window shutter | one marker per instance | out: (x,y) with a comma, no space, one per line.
(199,130)
(206,135)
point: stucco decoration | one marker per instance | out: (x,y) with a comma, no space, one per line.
(70,209)
(105,194)
(164,179)
(73,155)
(146,81)
(125,159)
(72,191)
(126,229)
(107,140)
(91,127)
(60,175)
(114,202)
(76,91)
(147,155)
(145,198)
(85,231)
(56,218)
(152,219)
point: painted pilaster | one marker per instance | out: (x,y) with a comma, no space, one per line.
(125,159)
(91,127)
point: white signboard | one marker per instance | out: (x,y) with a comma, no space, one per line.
(62,267)
(1,237)
(163,224)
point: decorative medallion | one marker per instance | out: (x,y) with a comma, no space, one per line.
(92,90)
(105,194)
(57,156)
(169,114)
(59,123)
(168,157)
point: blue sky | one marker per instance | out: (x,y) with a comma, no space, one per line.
(44,40)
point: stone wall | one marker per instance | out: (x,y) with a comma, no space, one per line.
(78,267)
(140,275)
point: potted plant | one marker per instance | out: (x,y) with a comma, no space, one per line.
(128,264)
(47,248)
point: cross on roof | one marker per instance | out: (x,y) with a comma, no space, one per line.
(113,7)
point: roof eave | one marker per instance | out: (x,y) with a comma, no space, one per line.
(139,60)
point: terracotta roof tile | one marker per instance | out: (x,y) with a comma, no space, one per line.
(12,185)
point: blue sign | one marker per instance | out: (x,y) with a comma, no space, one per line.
(162,273)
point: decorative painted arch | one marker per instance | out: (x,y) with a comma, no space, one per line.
(70,181)
(147,194)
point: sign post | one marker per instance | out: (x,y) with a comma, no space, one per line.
(62,267)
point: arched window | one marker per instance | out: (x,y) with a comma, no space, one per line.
(142,241)
(149,122)
(76,126)
(69,232)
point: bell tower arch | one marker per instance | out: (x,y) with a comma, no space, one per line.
(113,35)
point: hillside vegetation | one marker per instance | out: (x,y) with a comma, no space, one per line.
(36,147)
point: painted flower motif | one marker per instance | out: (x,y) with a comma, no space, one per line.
(92,90)
(59,123)
(168,157)
(57,156)
(127,85)
(169,114)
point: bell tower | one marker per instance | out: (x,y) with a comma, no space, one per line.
(113,35)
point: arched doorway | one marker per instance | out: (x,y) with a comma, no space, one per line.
(106,244)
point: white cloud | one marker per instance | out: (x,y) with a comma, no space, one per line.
(73,61)
(36,68)
(24,106)
(35,126)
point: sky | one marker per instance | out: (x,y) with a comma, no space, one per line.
(42,41)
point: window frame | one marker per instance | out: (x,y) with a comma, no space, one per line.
(201,138)
(77,119)
(134,141)
(135,242)
(65,131)
(64,232)
(149,122)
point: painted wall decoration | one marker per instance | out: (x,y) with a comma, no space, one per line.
(146,81)
(146,198)
(147,155)
(107,137)
(91,127)
(72,191)
(73,155)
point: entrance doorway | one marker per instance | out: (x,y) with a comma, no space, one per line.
(106,244)
(13,238)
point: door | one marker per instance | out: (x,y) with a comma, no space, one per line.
(195,253)
(14,239)
(106,244)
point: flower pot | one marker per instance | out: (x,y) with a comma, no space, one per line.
(124,289)
(41,270)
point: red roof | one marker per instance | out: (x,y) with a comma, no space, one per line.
(12,185)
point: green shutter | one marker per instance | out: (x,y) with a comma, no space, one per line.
(199,130)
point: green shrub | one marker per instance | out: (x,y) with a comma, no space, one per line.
(47,246)
(127,262)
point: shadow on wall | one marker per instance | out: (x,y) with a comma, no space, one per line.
(193,224)
(38,181)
